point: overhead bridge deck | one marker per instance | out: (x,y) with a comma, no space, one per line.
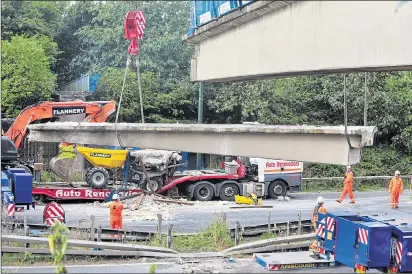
(299,143)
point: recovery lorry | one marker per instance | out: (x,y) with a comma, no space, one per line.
(96,112)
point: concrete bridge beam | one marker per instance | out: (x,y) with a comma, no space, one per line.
(301,143)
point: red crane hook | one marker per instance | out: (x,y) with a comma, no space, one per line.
(134,26)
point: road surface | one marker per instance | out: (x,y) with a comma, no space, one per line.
(194,218)
(215,266)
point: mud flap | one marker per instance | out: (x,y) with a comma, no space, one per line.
(62,167)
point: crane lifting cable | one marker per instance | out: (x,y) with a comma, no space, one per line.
(346,111)
(134,26)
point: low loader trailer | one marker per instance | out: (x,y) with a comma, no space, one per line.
(61,192)
(264,177)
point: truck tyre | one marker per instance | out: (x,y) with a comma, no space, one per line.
(203,192)
(24,167)
(156,183)
(228,192)
(277,188)
(97,177)
(39,198)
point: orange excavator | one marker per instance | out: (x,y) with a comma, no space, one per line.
(95,112)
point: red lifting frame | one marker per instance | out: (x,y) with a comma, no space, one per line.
(134,25)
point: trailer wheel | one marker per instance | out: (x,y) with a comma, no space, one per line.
(39,198)
(277,188)
(203,192)
(97,177)
(228,192)
(156,183)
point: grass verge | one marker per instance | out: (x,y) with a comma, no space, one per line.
(215,237)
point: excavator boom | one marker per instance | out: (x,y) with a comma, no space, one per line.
(96,112)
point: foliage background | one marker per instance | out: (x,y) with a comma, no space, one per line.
(47,44)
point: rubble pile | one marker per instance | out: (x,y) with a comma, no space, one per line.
(149,208)
(156,158)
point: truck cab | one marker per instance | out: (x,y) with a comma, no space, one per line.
(279,176)
(10,156)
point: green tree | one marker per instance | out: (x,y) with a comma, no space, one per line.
(26,76)
(31,17)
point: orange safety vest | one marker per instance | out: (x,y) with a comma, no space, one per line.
(396,184)
(348,178)
(315,214)
(116,209)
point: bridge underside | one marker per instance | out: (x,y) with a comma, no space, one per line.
(287,38)
(301,143)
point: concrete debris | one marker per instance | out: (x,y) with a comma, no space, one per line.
(285,199)
(156,158)
(201,268)
(151,206)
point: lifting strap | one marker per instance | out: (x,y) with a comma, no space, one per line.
(346,111)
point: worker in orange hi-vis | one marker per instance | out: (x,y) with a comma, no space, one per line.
(116,208)
(347,186)
(396,189)
(319,208)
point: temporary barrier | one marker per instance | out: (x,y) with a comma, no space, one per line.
(224,7)
(205,12)
(243,3)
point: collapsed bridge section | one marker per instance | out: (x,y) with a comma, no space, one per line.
(328,144)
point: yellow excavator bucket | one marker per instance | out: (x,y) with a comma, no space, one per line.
(62,167)
(62,164)
(101,157)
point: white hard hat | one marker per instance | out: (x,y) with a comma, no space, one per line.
(348,167)
(320,200)
(115,196)
(397,172)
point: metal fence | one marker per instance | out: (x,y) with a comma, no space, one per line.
(40,152)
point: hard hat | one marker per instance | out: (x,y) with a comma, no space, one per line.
(320,200)
(397,172)
(115,196)
(348,167)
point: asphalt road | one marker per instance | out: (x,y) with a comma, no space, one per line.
(194,218)
(215,266)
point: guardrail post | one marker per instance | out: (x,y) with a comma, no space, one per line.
(237,225)
(99,233)
(288,228)
(299,222)
(92,228)
(26,229)
(169,236)
(159,226)
(269,220)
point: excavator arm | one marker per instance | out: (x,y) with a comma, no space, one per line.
(96,112)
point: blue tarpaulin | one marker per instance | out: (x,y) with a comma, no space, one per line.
(204,12)
(93,81)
